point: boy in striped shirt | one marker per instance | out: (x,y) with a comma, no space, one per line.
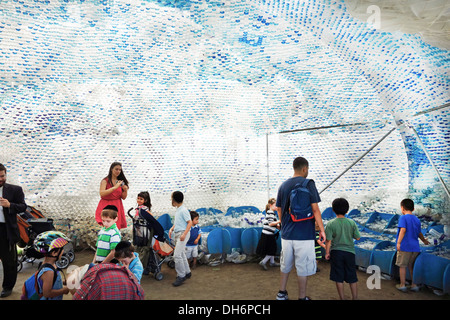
(108,237)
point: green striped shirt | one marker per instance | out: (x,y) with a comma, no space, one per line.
(107,241)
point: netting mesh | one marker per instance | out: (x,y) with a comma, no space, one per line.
(190,96)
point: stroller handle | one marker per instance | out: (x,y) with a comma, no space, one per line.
(129,213)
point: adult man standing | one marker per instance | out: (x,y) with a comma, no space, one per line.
(297,238)
(12,202)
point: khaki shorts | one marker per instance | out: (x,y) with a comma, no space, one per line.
(298,253)
(406,259)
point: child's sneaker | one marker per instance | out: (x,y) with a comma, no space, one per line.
(263,265)
(282,295)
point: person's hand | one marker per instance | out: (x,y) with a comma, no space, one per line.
(4,202)
(327,256)
(118,184)
(322,236)
(182,237)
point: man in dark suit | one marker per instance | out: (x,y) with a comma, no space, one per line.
(12,202)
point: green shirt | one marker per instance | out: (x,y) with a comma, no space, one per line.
(341,232)
(107,241)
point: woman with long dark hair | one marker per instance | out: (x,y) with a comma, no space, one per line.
(113,189)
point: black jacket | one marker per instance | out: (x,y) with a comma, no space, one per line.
(16,198)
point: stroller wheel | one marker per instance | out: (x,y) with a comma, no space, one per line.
(63,262)
(171,264)
(158,276)
(19,265)
(70,255)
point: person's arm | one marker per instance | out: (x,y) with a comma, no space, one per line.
(47,286)
(171,231)
(104,192)
(198,239)
(423,239)
(17,203)
(327,249)
(401,234)
(279,214)
(124,191)
(188,227)
(110,256)
(318,217)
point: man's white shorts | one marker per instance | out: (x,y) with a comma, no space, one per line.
(300,253)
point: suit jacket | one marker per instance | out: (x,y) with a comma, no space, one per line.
(16,198)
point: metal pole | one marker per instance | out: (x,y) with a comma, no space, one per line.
(357,160)
(431,161)
(267,161)
(320,128)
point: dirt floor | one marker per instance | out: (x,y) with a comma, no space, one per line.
(247,281)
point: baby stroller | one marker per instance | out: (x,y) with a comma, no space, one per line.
(144,224)
(31,223)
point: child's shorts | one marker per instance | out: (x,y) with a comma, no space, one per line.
(405,259)
(191,252)
(343,266)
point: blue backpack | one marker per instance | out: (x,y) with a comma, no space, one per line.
(300,202)
(30,289)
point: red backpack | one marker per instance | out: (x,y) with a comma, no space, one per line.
(107,281)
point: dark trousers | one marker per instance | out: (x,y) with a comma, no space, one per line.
(8,255)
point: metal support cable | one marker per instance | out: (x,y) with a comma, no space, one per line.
(357,160)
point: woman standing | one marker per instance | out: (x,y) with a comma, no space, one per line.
(113,189)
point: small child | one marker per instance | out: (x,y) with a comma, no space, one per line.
(143,202)
(51,245)
(108,237)
(181,231)
(318,245)
(267,245)
(143,239)
(194,238)
(409,231)
(340,249)
(124,252)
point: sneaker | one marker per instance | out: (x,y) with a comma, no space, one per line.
(414,289)
(188,275)
(263,265)
(401,288)
(306,298)
(282,295)
(178,281)
(275,264)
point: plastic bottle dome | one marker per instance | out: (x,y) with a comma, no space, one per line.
(216,98)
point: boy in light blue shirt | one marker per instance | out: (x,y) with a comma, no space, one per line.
(181,231)
(127,257)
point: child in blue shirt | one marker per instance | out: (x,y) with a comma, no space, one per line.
(194,238)
(409,230)
(127,257)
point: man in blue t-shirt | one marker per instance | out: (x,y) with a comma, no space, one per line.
(408,234)
(297,238)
